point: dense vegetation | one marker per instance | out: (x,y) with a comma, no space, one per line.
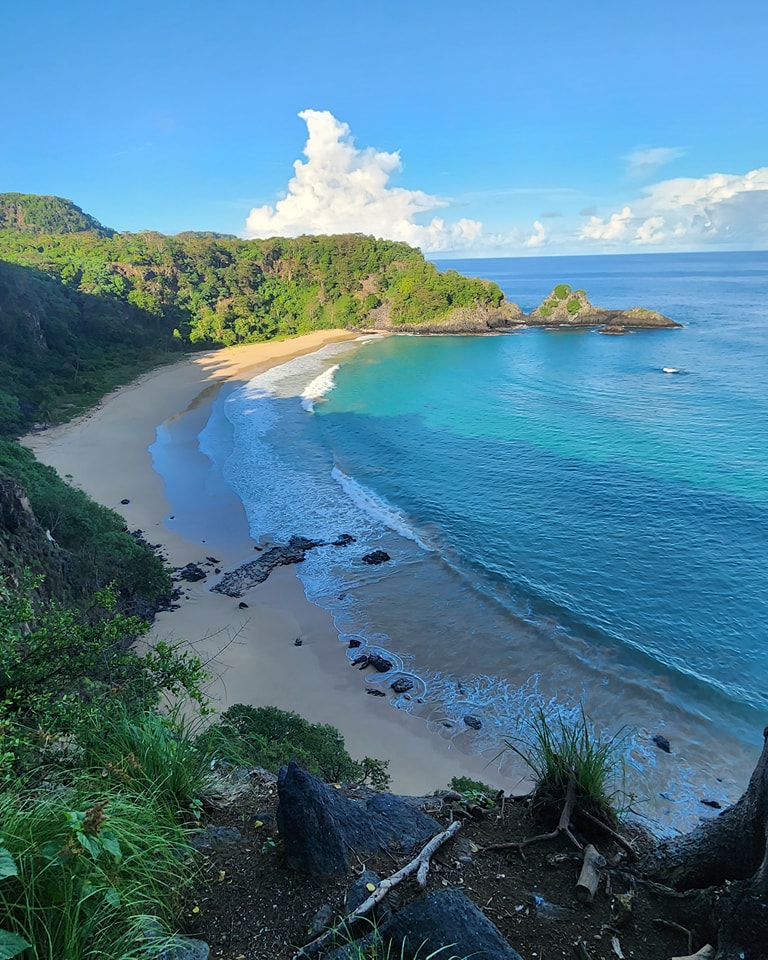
(99,792)
(84,308)
(86,546)
(35,214)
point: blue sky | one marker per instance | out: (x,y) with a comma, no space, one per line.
(478,128)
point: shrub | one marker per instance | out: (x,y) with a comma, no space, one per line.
(562,291)
(270,737)
(474,791)
(573,306)
(545,311)
(556,749)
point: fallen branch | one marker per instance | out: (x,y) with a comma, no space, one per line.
(616,837)
(419,865)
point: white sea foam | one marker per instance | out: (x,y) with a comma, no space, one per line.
(319,387)
(377,509)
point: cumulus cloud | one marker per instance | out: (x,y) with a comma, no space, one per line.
(341,188)
(645,161)
(689,213)
(538,237)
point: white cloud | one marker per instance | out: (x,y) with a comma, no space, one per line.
(690,213)
(539,235)
(645,161)
(341,188)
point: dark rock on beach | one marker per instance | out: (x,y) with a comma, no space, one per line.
(343,540)
(236,582)
(376,693)
(375,660)
(402,685)
(192,573)
(376,557)
(662,743)
(475,723)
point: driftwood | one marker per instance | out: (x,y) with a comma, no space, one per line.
(707,952)
(419,865)
(589,878)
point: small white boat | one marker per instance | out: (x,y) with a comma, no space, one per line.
(670,370)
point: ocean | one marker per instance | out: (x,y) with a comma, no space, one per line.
(570,528)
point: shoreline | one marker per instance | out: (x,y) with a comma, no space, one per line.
(249,651)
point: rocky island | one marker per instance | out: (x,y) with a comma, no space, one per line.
(564,307)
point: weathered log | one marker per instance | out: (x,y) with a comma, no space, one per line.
(419,865)
(589,878)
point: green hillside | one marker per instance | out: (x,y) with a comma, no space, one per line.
(33,214)
(83,309)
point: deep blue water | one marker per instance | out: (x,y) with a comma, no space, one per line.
(568,524)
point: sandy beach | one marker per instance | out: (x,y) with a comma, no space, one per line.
(250,653)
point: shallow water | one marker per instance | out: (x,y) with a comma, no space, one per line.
(567,524)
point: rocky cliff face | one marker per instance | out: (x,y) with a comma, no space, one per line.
(483,319)
(26,546)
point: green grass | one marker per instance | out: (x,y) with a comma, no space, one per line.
(88,869)
(562,291)
(573,306)
(146,752)
(556,749)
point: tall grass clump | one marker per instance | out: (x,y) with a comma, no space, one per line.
(557,749)
(146,752)
(80,875)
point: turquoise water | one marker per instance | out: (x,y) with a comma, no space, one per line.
(567,523)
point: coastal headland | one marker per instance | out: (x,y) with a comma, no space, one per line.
(247,643)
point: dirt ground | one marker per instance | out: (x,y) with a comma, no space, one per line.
(248,905)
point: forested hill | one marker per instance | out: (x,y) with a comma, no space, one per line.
(33,214)
(83,308)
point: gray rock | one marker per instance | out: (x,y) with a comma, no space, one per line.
(322,829)
(236,582)
(445,918)
(321,921)
(358,893)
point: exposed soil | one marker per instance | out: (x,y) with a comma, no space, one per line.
(248,905)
